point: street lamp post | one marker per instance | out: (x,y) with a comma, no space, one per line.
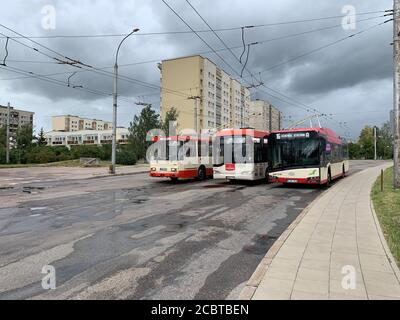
(115,106)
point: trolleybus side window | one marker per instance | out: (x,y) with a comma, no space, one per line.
(260,150)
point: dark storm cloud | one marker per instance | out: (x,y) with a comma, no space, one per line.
(346,67)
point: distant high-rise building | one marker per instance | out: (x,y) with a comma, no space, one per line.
(264,116)
(18,118)
(222,101)
(68,123)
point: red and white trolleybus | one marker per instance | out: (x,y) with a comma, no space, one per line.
(307,155)
(182,157)
(241,154)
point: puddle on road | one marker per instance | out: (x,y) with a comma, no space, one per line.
(6,188)
(38,209)
(34,188)
(260,244)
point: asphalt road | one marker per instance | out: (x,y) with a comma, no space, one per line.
(134,237)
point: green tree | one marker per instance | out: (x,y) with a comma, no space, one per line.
(366,142)
(139,127)
(24,137)
(171,115)
(2,144)
(41,139)
(3,136)
(385,142)
(354,150)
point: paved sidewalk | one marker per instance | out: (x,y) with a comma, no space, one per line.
(338,233)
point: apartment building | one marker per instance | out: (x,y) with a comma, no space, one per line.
(18,118)
(264,116)
(69,123)
(196,83)
(85,137)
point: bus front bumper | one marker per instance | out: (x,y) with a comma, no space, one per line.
(155,174)
(179,174)
(311,180)
(233,176)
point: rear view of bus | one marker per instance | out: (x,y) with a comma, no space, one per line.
(307,156)
(241,154)
(182,157)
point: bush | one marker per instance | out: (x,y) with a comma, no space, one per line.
(86,152)
(126,157)
(62,153)
(106,152)
(2,155)
(40,155)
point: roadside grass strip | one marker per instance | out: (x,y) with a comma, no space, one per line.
(387,207)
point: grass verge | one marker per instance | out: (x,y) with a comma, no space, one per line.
(387,207)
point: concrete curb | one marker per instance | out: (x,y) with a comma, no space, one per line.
(118,174)
(255,280)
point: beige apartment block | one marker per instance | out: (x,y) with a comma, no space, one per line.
(69,123)
(264,116)
(18,118)
(192,81)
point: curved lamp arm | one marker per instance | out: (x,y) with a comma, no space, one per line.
(119,47)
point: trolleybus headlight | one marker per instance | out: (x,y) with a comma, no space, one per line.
(153,169)
(173,170)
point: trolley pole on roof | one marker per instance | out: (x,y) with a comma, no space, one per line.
(396,93)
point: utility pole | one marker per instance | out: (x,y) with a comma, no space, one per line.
(8,135)
(375,144)
(396,93)
(196,112)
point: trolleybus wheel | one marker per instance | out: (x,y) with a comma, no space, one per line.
(267,176)
(329,182)
(202,173)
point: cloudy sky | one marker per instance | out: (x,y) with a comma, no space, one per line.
(303,65)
